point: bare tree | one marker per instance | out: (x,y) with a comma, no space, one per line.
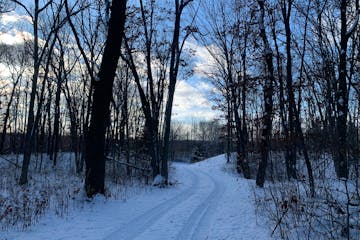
(16,59)
(100,113)
(176,49)
(295,130)
(151,93)
(39,53)
(342,99)
(268,99)
(228,76)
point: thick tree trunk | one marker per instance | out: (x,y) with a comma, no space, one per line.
(173,72)
(242,165)
(174,65)
(244,131)
(95,139)
(341,162)
(291,140)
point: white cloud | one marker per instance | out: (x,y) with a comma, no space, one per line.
(206,86)
(12,17)
(14,37)
(191,103)
(5,71)
(204,62)
(10,32)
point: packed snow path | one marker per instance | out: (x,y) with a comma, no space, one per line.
(206,203)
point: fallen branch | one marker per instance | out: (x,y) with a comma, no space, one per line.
(279,221)
(128,164)
(9,161)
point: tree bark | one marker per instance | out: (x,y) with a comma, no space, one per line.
(268,102)
(30,122)
(173,72)
(100,112)
(341,163)
(291,136)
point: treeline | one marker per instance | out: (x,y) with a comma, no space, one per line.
(53,77)
(290,71)
(286,77)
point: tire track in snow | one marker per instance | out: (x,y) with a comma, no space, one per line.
(200,216)
(141,223)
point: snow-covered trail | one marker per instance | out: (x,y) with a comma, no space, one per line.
(207,203)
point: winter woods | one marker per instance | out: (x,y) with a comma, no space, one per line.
(98,79)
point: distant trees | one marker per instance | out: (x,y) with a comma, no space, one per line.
(16,61)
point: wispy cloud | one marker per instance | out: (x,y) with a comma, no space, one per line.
(11,28)
(191,103)
(204,63)
(13,17)
(15,37)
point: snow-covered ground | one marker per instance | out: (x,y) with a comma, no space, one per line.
(207,202)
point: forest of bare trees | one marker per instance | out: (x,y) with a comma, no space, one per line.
(98,79)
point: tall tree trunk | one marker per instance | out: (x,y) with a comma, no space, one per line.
(298,128)
(173,72)
(341,162)
(49,126)
(268,101)
(291,160)
(174,65)
(100,115)
(342,93)
(283,117)
(38,56)
(229,126)
(30,122)
(59,72)
(55,140)
(244,134)
(73,126)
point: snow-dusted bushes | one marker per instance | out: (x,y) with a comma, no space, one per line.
(334,213)
(48,189)
(52,190)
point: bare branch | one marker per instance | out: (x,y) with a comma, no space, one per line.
(25,8)
(45,6)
